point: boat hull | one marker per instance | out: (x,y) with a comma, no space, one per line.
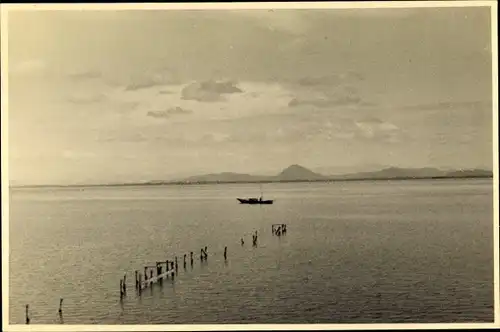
(254,201)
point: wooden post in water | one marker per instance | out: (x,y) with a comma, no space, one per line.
(121,288)
(184,261)
(272,228)
(61,320)
(125,284)
(145,273)
(191,259)
(203,253)
(225,253)
(140,283)
(27,314)
(136,280)
(176,265)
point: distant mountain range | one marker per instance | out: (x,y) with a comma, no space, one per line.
(295,173)
(292,173)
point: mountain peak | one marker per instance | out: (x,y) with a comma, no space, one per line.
(296,166)
(298,172)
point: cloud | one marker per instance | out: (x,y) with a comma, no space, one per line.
(378,130)
(158,114)
(150,79)
(451,106)
(178,110)
(335,90)
(142,85)
(331,80)
(209,91)
(169,112)
(326,102)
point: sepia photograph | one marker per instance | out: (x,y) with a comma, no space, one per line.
(218,166)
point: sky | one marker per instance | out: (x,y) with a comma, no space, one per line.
(137,95)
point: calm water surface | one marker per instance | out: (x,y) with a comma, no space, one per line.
(386,252)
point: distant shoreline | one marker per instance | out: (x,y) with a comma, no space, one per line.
(186,183)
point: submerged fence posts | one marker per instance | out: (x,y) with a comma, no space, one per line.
(149,278)
(27,314)
(278,229)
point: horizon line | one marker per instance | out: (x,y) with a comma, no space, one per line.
(189,183)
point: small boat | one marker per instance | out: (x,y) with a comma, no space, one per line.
(255,201)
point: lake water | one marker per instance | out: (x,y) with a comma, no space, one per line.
(375,252)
